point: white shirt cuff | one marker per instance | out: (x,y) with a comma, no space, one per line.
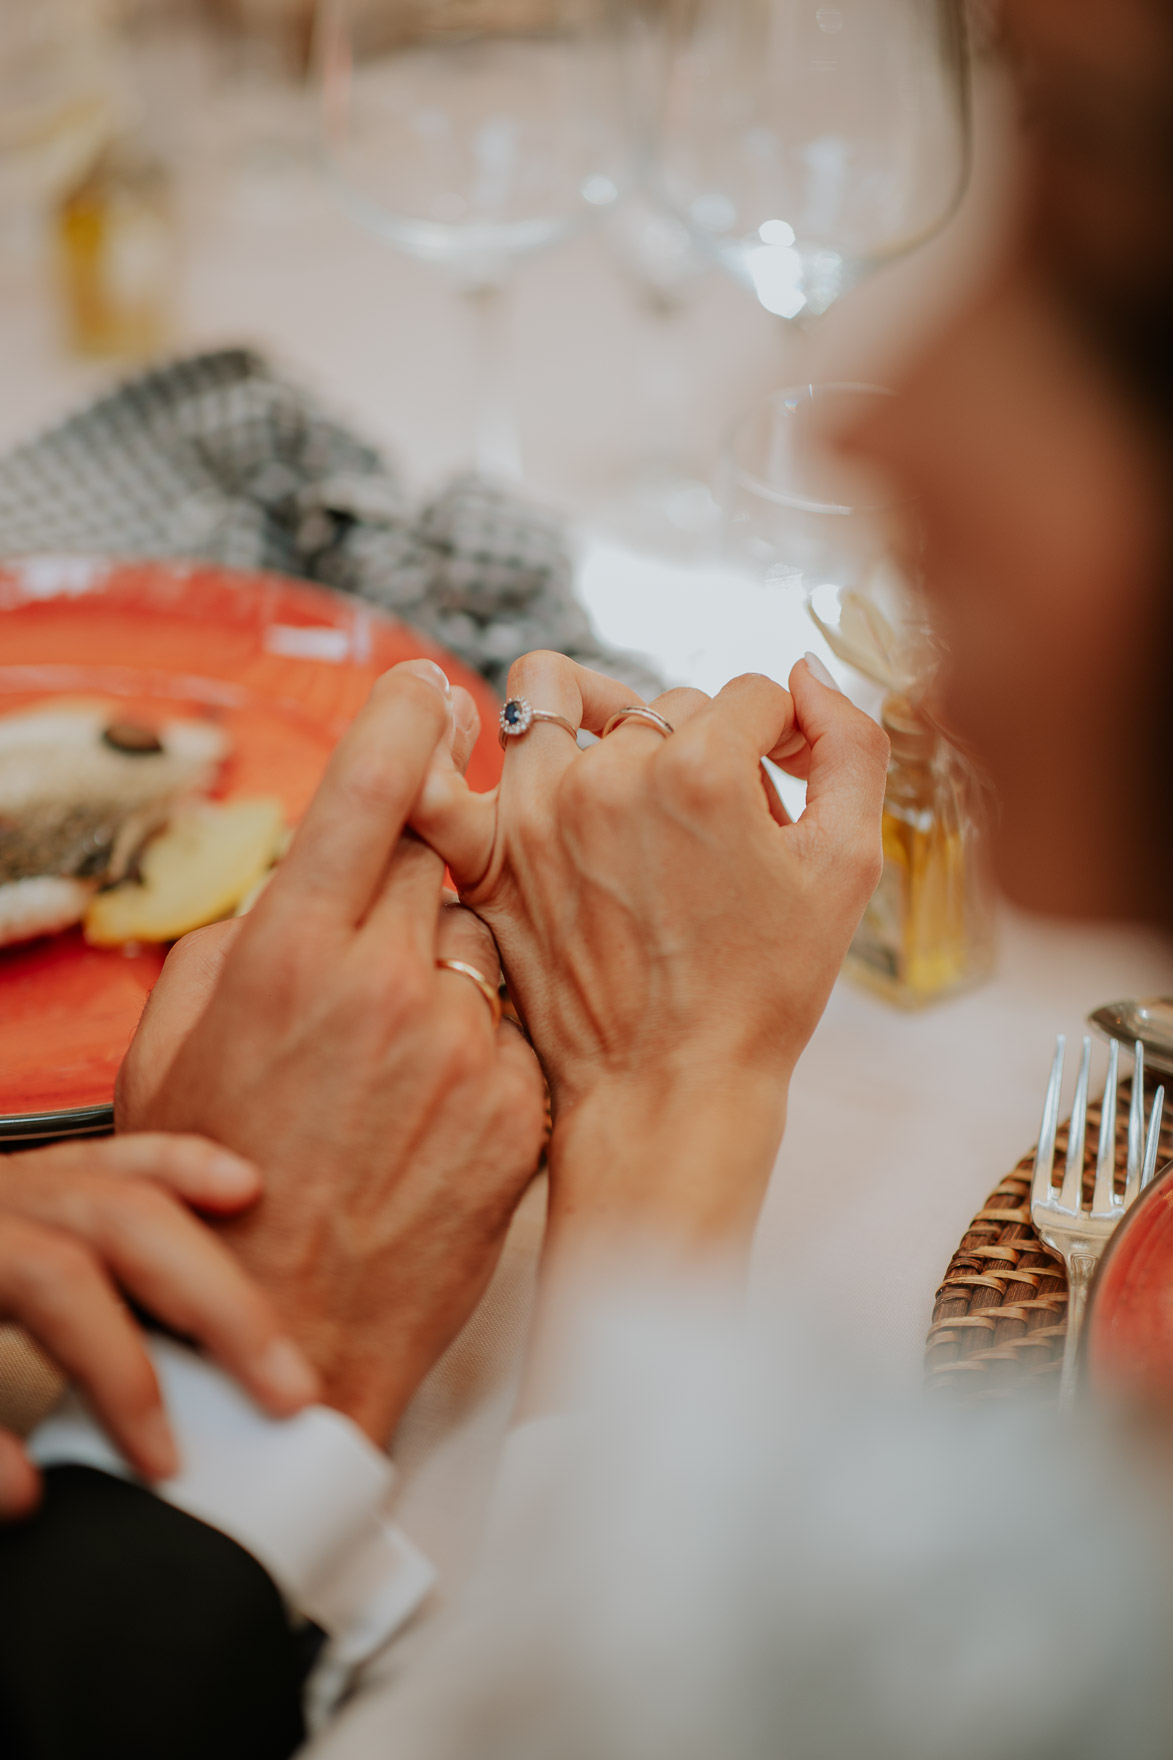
(306,1495)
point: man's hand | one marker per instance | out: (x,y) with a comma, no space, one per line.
(669,937)
(396,1126)
(83,1226)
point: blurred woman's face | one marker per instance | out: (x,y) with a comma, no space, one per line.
(1040,495)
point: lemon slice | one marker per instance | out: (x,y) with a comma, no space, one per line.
(195,872)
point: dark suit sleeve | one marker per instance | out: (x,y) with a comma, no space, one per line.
(131,1631)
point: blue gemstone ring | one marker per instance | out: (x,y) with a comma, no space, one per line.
(518,716)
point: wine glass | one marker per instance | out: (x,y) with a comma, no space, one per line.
(472,134)
(800,516)
(806,142)
(797,514)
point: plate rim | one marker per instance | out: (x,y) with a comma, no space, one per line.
(66,1121)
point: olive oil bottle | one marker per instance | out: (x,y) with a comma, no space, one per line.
(929,929)
(117,250)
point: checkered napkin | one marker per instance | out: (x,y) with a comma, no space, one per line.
(216,457)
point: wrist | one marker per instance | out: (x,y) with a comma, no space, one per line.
(367,1370)
(673,1171)
(684,1159)
(368,1373)
(359,1376)
(370,1398)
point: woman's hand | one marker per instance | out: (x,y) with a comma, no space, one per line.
(396,1125)
(669,942)
(83,1227)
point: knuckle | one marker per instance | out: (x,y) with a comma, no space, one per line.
(135,1153)
(459,1049)
(187,950)
(400,996)
(599,791)
(521,1099)
(541,663)
(53,1270)
(869,864)
(373,1000)
(680,701)
(203,948)
(369,787)
(272,959)
(472,941)
(176,1153)
(694,774)
(398,685)
(198,958)
(144,1199)
(130,1204)
(874,743)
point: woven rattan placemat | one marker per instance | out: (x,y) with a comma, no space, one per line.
(1000,1315)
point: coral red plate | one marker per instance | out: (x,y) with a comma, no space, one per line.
(282,665)
(1128,1334)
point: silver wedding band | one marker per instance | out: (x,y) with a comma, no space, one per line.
(479,979)
(639,713)
(518,716)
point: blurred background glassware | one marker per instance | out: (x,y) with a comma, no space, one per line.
(259,54)
(118,244)
(795,513)
(273,34)
(472,134)
(804,142)
(663,502)
(803,518)
(61,96)
(77,174)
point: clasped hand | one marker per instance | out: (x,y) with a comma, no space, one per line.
(395,1124)
(669,938)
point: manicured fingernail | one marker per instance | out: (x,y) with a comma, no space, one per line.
(431,674)
(817,670)
(156,1446)
(286,1374)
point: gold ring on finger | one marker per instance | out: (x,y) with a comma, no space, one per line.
(639,713)
(479,979)
(518,715)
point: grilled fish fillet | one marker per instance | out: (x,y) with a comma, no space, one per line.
(80,793)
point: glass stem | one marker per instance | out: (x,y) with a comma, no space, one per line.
(497,450)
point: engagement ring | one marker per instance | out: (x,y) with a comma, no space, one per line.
(519,715)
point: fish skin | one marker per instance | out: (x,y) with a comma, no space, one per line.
(74,841)
(75,808)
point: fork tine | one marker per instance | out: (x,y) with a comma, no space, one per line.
(1045,1153)
(1071,1196)
(1154,1139)
(1135,1127)
(1105,1193)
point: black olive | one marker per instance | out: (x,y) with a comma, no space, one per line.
(132,738)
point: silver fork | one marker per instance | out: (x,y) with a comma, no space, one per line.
(1073,1234)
